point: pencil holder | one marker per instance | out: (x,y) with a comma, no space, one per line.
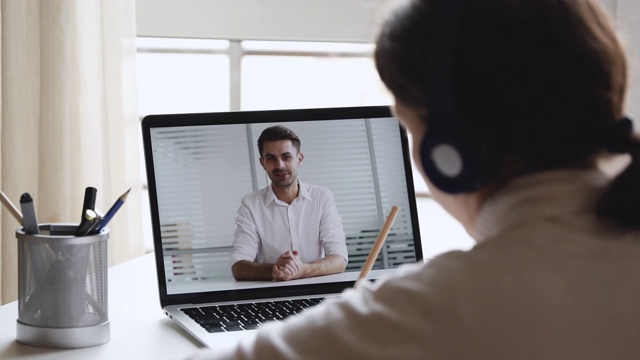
(62,288)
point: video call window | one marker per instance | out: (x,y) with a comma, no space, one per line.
(202,173)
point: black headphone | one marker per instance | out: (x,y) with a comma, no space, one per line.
(456,155)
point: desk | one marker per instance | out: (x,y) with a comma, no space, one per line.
(139,328)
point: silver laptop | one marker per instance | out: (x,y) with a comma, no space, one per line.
(199,166)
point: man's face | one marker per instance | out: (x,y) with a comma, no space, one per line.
(281,160)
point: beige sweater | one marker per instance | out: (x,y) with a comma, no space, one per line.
(546,281)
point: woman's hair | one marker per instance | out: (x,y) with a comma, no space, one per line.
(546,78)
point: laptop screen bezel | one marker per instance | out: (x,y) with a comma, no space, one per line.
(250,117)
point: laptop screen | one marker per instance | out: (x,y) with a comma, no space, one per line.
(200,166)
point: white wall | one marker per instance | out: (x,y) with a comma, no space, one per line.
(325,20)
(305,20)
(627,15)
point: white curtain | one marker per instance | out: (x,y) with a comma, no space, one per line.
(68,118)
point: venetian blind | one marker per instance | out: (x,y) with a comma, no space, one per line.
(201,173)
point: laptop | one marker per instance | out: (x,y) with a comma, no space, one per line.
(200,165)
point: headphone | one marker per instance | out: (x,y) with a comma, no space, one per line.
(456,155)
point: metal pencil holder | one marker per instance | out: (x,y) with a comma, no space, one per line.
(62,288)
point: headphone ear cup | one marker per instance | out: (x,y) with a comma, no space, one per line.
(455,164)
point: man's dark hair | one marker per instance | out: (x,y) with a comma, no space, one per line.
(275,133)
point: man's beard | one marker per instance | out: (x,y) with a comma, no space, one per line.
(286,182)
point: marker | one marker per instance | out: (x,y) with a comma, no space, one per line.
(114,209)
(12,208)
(30,219)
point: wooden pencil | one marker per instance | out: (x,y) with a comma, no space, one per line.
(377,246)
(12,209)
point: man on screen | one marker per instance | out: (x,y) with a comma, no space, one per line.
(288,230)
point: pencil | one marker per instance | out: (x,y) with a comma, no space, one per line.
(114,209)
(377,246)
(12,209)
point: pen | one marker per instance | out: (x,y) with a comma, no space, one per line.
(89,221)
(114,209)
(29,214)
(12,208)
(89,202)
(371,259)
(95,225)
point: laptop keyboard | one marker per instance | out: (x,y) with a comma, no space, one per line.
(248,316)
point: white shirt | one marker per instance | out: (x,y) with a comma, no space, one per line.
(267,227)
(548,280)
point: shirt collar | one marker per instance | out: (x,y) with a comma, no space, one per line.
(542,196)
(303,192)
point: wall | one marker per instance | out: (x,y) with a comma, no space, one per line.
(627,15)
(305,20)
(324,20)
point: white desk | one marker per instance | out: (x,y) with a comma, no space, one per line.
(139,329)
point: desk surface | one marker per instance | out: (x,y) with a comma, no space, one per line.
(139,329)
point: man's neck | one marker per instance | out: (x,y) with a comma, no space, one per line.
(287,194)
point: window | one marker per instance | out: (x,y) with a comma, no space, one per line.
(195,75)
(182,75)
(199,75)
(305,75)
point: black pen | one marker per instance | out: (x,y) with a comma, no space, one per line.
(29,217)
(95,225)
(89,202)
(89,220)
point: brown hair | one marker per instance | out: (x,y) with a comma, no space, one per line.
(275,133)
(545,78)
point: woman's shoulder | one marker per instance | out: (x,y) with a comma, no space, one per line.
(530,258)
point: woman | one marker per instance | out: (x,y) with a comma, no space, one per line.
(511,105)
